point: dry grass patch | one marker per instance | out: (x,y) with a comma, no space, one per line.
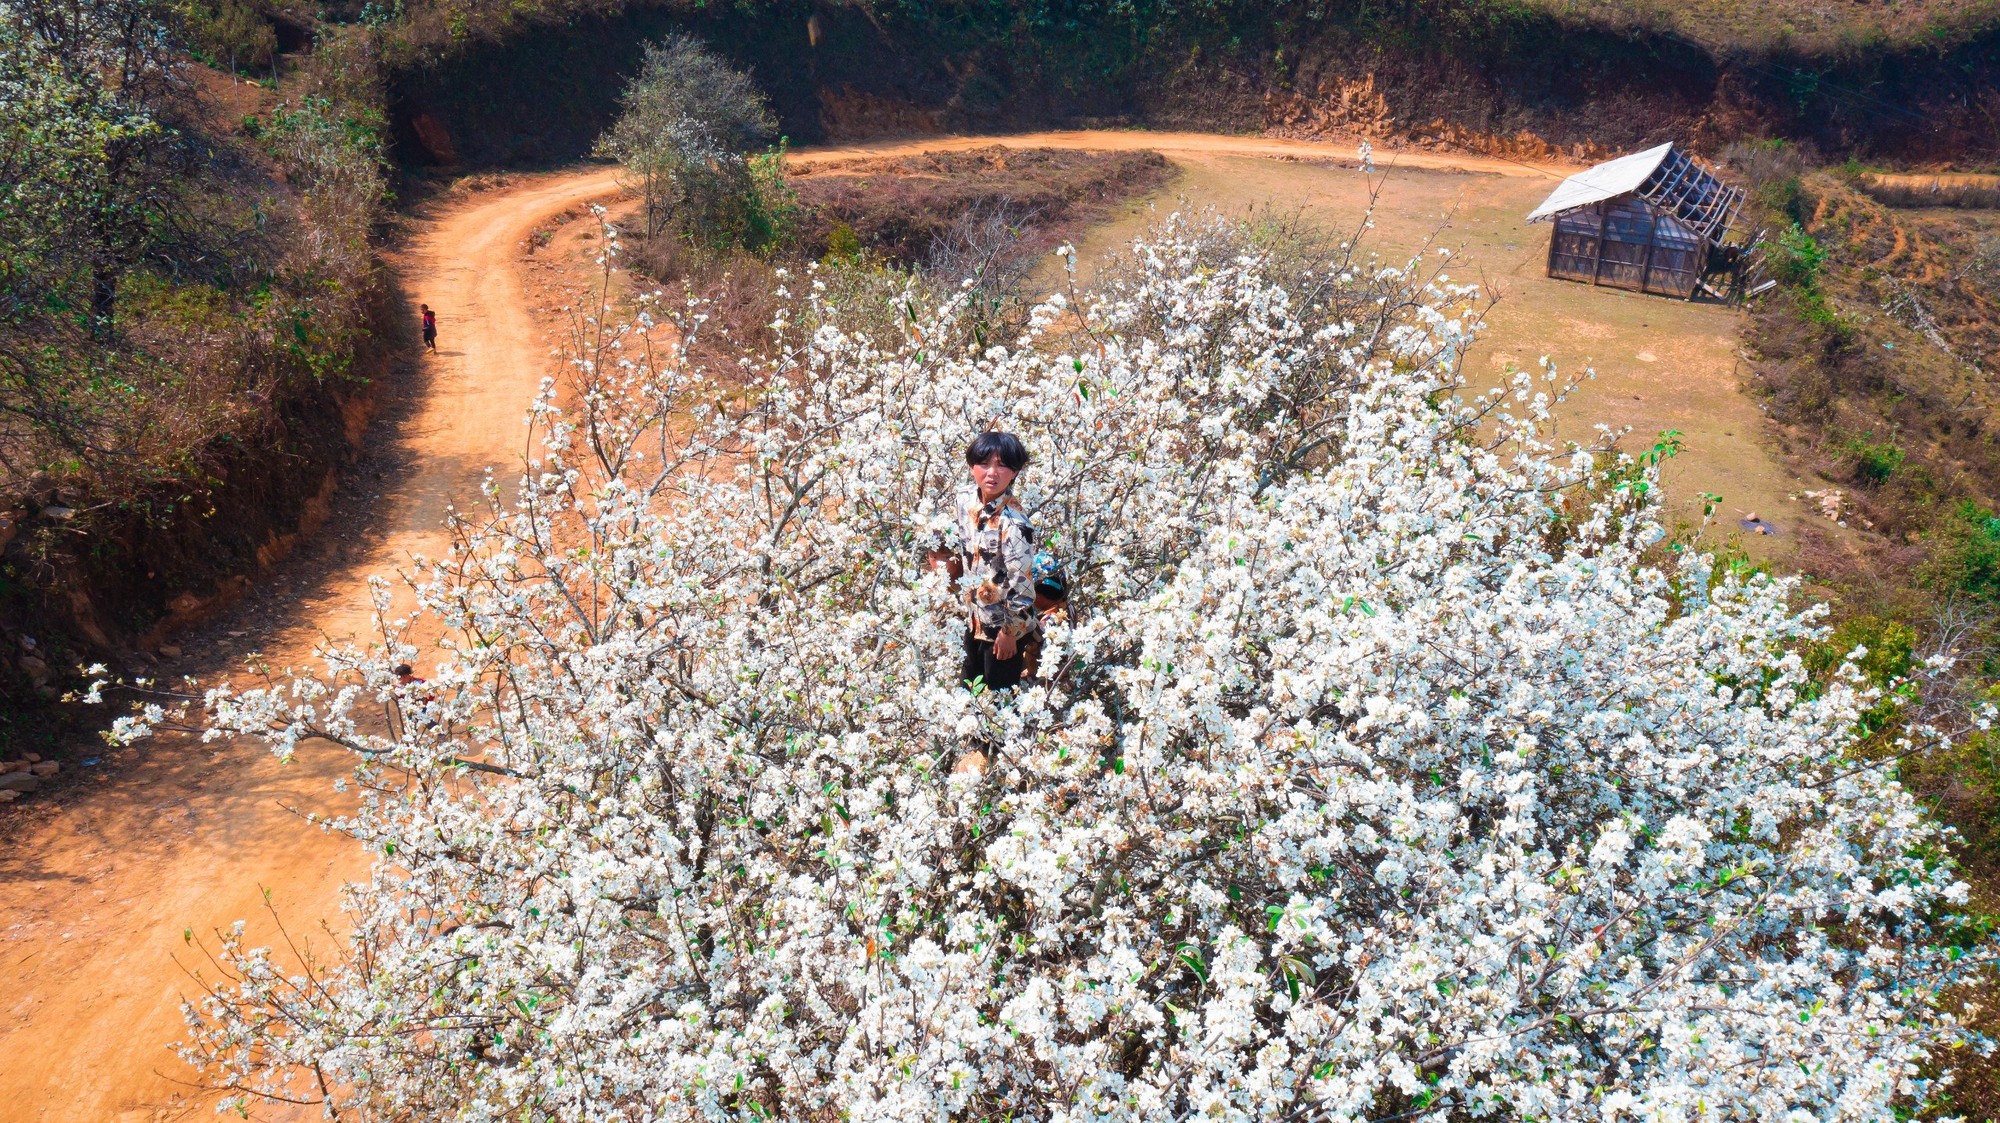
(898,207)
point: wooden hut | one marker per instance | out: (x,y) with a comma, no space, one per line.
(1655,221)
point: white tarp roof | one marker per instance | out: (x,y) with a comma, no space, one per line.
(1605,181)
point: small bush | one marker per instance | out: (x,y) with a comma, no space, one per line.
(1965,559)
(1797,259)
(842,244)
(1891,646)
(687,126)
(232,34)
(1874,463)
(1820,312)
(771,208)
(1784,197)
(1772,169)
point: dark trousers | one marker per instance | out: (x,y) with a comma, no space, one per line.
(998,674)
(431,338)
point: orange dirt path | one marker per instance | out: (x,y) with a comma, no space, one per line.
(1939,180)
(1132,140)
(96,890)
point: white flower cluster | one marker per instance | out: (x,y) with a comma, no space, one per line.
(1389,767)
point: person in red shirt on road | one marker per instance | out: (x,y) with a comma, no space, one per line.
(430,327)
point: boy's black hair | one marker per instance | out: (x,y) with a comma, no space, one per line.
(1052,588)
(1012,452)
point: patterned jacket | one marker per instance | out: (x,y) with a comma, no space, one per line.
(996,548)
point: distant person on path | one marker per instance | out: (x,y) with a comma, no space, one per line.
(417,692)
(430,327)
(994,562)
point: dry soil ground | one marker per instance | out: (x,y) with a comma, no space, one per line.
(97,890)
(98,886)
(1941,180)
(1660,364)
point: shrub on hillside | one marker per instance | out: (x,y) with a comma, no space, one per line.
(1387,772)
(842,244)
(1874,461)
(87,174)
(1965,559)
(1771,168)
(181,305)
(88,167)
(158,279)
(232,35)
(1797,258)
(686,129)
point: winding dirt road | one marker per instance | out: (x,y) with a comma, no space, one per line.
(1209,144)
(97,890)
(96,893)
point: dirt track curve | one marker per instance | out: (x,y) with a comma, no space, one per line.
(97,890)
(1131,140)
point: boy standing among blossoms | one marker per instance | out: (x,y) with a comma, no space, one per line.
(994,562)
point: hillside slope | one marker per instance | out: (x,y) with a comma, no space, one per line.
(1914,83)
(190,329)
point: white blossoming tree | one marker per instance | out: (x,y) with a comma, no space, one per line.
(1393,766)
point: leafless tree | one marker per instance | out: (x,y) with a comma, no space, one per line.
(990,251)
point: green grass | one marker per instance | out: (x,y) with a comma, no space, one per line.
(1874,462)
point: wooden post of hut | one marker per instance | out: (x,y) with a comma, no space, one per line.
(1646,222)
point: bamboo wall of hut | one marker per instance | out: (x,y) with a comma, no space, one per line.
(1626,243)
(1654,221)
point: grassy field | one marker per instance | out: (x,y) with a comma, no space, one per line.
(1660,364)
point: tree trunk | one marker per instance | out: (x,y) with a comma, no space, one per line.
(103,298)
